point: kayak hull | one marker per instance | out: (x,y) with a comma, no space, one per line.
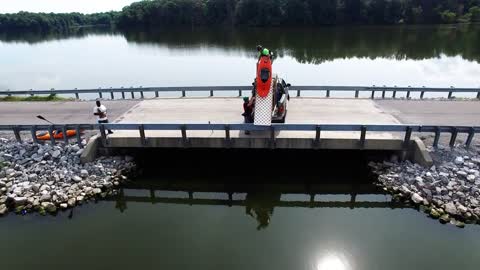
(59,135)
(264,76)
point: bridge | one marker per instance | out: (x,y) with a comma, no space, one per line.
(206,120)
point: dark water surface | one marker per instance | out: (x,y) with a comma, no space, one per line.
(177,217)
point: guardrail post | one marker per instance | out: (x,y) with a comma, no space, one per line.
(471,133)
(143,139)
(79,137)
(318,130)
(16,131)
(408,135)
(272,137)
(454,137)
(64,133)
(437,137)
(363,135)
(77,96)
(328,94)
(52,136)
(228,140)
(357,93)
(33,131)
(211,93)
(184,136)
(103,134)
(450,93)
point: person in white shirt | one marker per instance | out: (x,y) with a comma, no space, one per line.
(101,112)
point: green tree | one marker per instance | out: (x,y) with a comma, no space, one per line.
(297,12)
(323,12)
(475,14)
(448,16)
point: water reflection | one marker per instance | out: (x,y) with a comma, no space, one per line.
(402,55)
(260,206)
(313,46)
(259,200)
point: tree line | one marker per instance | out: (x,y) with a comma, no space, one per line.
(157,13)
(298,12)
(45,22)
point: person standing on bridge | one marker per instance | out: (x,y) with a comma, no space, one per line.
(101,112)
(264,52)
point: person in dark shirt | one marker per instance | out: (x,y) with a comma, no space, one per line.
(248,105)
(247,110)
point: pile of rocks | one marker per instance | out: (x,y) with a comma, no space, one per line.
(45,178)
(448,191)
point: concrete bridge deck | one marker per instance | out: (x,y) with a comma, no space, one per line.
(428,112)
(228,111)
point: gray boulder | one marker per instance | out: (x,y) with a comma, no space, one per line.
(84,173)
(416,198)
(56,153)
(20,200)
(459,160)
(3,209)
(451,209)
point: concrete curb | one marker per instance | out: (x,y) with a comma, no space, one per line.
(90,152)
(419,153)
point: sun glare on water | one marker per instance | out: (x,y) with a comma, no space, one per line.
(332,262)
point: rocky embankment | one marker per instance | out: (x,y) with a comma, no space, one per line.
(47,178)
(448,191)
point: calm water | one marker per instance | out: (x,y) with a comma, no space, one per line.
(272,223)
(417,56)
(269,223)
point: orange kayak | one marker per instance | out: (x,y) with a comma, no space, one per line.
(264,76)
(59,135)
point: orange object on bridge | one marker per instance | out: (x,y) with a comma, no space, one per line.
(264,76)
(56,135)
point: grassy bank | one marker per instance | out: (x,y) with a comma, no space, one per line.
(51,97)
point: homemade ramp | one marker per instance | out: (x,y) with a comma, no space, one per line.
(263,106)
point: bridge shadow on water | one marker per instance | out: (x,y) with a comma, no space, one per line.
(259,180)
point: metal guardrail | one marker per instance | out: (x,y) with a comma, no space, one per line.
(227,128)
(212,89)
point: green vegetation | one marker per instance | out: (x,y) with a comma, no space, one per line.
(2,165)
(45,22)
(297,12)
(157,13)
(51,97)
